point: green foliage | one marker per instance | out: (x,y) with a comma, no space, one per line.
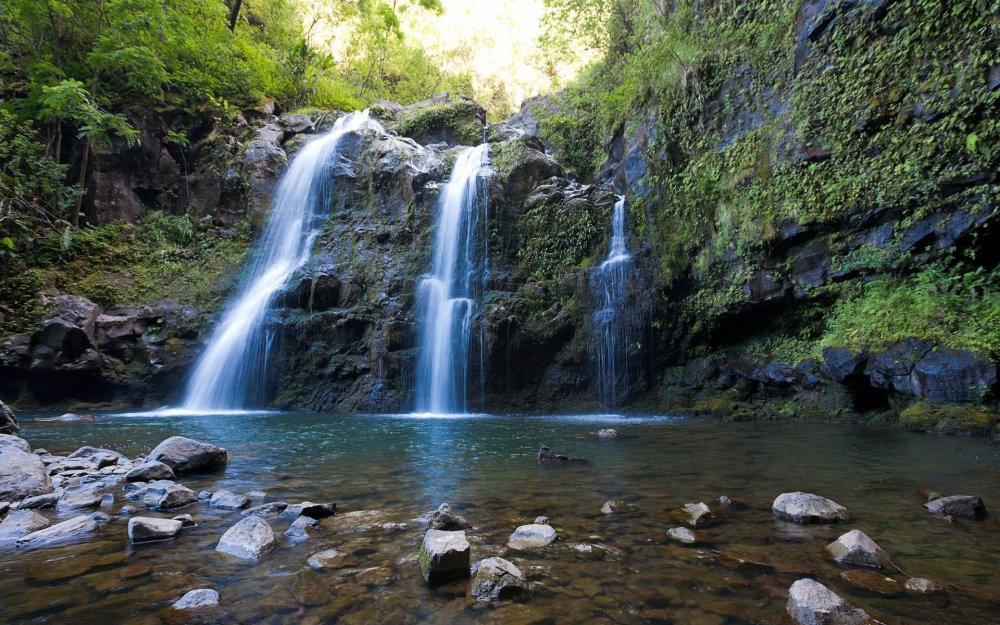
(556,238)
(462,119)
(949,418)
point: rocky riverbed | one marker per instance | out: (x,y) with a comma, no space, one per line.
(337,518)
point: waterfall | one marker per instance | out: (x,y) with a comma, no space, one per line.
(449,295)
(609,281)
(233,364)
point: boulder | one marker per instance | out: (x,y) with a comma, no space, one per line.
(150,471)
(22,475)
(270,510)
(149,529)
(330,558)
(166,495)
(494,579)
(263,162)
(923,586)
(531,536)
(73,530)
(687,536)
(443,120)
(8,422)
(317,510)
(812,603)
(48,500)
(186,455)
(228,500)
(80,498)
(802,507)
(841,363)
(186,520)
(8,440)
(950,375)
(444,556)
(249,539)
(855,547)
(21,523)
(199,598)
(297,122)
(299,529)
(961,506)
(444,519)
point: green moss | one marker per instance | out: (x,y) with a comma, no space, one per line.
(949,418)
(554,238)
(461,121)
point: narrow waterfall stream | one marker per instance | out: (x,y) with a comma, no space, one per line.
(234,361)
(449,295)
(609,344)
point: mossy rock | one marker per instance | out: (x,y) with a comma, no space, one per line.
(949,418)
(457,122)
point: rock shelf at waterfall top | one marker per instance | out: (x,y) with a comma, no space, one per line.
(369,555)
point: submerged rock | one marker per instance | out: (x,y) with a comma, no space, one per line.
(299,529)
(808,508)
(326,559)
(200,598)
(546,456)
(186,455)
(923,586)
(961,506)
(444,519)
(228,500)
(531,536)
(694,514)
(495,578)
(614,506)
(267,511)
(149,529)
(687,536)
(165,495)
(812,603)
(150,471)
(871,581)
(22,475)
(72,530)
(444,556)
(249,539)
(21,523)
(855,547)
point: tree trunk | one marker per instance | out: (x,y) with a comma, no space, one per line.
(234,14)
(74,216)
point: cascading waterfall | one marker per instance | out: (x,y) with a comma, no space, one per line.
(234,361)
(449,295)
(609,281)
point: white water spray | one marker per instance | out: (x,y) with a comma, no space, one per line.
(610,338)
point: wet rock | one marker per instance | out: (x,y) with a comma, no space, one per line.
(802,507)
(923,586)
(614,506)
(38,502)
(228,500)
(317,510)
(186,520)
(127,510)
(299,529)
(327,559)
(73,530)
(165,495)
(871,581)
(4,507)
(444,556)
(812,603)
(444,519)
(200,598)
(205,495)
(694,514)
(607,433)
(249,539)
(22,475)
(100,457)
(687,536)
(949,375)
(8,422)
(8,440)
(80,498)
(149,529)
(546,456)
(100,517)
(21,523)
(531,536)
(494,579)
(541,520)
(186,455)
(841,363)
(150,471)
(297,122)
(961,506)
(855,547)
(725,501)
(270,510)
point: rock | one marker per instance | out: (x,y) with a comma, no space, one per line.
(808,508)
(48,500)
(150,471)
(687,536)
(317,510)
(297,122)
(949,375)
(149,529)
(923,586)
(841,363)
(607,433)
(72,530)
(444,556)
(185,455)
(186,520)
(694,514)
(100,457)
(725,501)
(204,495)
(494,579)
(228,500)
(541,520)
(531,536)
(327,559)
(871,581)
(21,523)
(22,475)
(268,510)
(961,506)
(100,517)
(855,547)
(200,598)
(812,603)
(80,498)
(263,162)
(299,529)
(546,455)
(444,519)
(614,506)
(443,120)
(7,440)
(4,507)
(8,422)
(249,539)
(165,495)
(127,510)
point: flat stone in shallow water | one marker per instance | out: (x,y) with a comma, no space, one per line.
(327,559)
(961,506)
(165,495)
(48,500)
(21,523)
(808,508)
(495,578)
(299,529)
(200,598)
(531,536)
(855,547)
(923,586)
(267,511)
(812,603)
(150,529)
(228,500)
(444,556)
(249,539)
(687,536)
(150,471)
(73,530)
(871,581)
(186,455)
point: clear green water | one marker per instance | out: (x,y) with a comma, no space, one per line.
(486,467)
